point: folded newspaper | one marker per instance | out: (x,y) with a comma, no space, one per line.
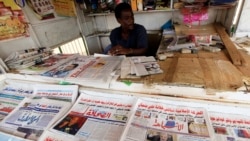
(139,66)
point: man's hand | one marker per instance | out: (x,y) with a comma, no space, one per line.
(119,50)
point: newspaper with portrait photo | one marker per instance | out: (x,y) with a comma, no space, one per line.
(96,116)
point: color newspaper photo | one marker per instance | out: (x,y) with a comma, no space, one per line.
(71,124)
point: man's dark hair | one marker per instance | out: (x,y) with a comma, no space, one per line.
(121,7)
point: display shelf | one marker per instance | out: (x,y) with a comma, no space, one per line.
(135,12)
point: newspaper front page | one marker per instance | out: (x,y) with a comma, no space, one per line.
(96,117)
(96,70)
(230,127)
(153,120)
(32,117)
(58,92)
(8,103)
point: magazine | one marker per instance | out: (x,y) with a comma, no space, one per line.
(32,117)
(230,127)
(96,116)
(152,119)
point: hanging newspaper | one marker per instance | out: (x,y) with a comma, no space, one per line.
(33,116)
(229,127)
(154,120)
(96,116)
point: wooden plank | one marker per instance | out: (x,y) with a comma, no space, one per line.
(171,70)
(215,74)
(235,56)
(245,69)
(195,30)
(230,77)
(213,55)
(208,78)
(188,72)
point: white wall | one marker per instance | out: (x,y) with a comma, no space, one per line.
(243,28)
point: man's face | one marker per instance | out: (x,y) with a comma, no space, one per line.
(127,20)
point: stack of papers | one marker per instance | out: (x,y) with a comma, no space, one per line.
(139,66)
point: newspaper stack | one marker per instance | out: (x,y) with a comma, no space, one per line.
(51,62)
(27,58)
(139,66)
(3,67)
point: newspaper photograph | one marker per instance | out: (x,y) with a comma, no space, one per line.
(32,117)
(96,116)
(153,120)
(230,127)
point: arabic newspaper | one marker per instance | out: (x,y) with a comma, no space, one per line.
(64,69)
(50,136)
(58,92)
(153,119)
(47,64)
(230,127)
(8,103)
(96,116)
(18,89)
(96,70)
(8,137)
(32,117)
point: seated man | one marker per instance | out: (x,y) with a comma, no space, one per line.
(130,38)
